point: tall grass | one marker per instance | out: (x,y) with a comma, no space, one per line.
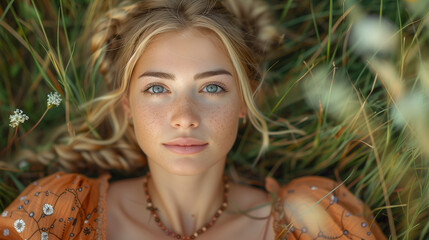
(352,76)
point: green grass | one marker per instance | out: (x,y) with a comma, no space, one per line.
(372,138)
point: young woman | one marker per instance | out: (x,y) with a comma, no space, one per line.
(181,74)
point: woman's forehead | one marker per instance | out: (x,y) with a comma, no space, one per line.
(191,47)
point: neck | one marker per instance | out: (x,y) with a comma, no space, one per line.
(186,203)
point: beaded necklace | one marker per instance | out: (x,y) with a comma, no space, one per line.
(200,231)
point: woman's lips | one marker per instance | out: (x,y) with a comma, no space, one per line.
(185,145)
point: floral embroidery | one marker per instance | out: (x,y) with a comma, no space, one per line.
(4,214)
(19,225)
(48,209)
(44,213)
(86,231)
(44,236)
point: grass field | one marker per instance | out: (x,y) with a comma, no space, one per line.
(351,82)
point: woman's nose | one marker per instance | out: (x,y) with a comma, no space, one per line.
(184,113)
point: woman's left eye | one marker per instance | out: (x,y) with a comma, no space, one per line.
(213,89)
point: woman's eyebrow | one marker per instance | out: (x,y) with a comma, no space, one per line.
(158,75)
(198,76)
(211,74)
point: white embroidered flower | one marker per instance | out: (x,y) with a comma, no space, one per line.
(48,209)
(44,236)
(4,214)
(54,99)
(17,118)
(6,232)
(19,225)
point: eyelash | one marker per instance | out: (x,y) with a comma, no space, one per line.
(151,86)
(221,86)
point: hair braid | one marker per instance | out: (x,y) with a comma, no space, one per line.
(106,39)
(121,155)
(261,34)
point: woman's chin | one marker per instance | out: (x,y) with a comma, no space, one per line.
(186,166)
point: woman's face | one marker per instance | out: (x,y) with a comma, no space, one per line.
(184,102)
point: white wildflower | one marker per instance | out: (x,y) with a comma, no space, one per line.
(48,209)
(23,164)
(6,232)
(19,225)
(17,118)
(371,35)
(54,99)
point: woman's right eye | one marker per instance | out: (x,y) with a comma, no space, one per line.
(156,89)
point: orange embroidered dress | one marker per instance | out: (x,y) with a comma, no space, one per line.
(71,206)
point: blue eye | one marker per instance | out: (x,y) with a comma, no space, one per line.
(156,89)
(213,89)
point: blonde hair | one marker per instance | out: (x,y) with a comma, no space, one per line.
(106,138)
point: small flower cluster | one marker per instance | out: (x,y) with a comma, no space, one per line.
(17,118)
(54,99)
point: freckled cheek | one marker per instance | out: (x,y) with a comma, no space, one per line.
(223,122)
(147,120)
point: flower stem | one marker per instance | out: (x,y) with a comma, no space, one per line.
(25,134)
(11,142)
(35,125)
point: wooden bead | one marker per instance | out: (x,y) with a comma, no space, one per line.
(199,231)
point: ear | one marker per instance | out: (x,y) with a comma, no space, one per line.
(126,106)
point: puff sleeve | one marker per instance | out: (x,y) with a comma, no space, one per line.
(60,206)
(319,208)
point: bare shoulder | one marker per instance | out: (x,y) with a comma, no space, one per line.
(124,194)
(249,208)
(122,188)
(250,199)
(123,201)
